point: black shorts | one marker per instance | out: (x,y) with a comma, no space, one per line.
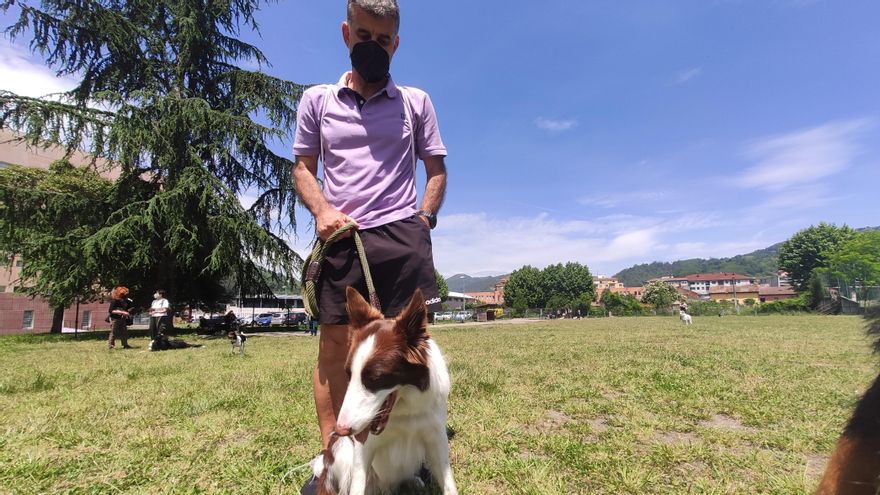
(401,260)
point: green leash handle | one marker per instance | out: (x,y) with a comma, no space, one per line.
(312,271)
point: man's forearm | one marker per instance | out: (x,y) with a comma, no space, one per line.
(435,186)
(435,191)
(308,190)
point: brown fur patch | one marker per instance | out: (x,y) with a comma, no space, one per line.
(400,353)
(852,469)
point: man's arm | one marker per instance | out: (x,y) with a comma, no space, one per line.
(327,218)
(435,187)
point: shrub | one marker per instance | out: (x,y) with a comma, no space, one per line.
(798,304)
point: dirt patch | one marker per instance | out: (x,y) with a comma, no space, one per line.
(598,425)
(553,420)
(676,437)
(725,422)
(815,466)
(239,437)
(693,470)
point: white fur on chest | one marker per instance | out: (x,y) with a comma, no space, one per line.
(415,436)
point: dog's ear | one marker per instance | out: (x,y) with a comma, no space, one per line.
(413,322)
(359,310)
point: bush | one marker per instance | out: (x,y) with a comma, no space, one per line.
(799,304)
(704,308)
(597,312)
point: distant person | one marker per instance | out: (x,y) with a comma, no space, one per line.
(120,318)
(313,326)
(159,311)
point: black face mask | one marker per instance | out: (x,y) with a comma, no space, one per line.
(370,60)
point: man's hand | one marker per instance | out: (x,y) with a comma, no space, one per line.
(425,219)
(329,221)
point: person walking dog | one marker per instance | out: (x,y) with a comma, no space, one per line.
(368,133)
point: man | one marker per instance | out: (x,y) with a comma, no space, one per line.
(366,127)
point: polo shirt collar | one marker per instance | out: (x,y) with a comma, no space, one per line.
(390,88)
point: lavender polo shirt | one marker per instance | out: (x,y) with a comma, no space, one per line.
(368,164)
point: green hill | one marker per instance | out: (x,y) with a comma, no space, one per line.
(465,283)
(760,263)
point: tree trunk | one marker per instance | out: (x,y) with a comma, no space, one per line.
(57,320)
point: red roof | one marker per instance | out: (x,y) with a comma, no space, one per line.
(687,293)
(708,277)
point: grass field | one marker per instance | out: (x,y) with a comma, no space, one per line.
(606,406)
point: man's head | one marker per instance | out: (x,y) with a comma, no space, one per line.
(382,9)
(371,21)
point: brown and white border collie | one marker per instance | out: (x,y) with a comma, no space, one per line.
(393,417)
(854,467)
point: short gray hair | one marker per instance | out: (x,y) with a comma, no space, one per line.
(386,9)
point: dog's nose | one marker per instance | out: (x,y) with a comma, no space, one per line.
(343,431)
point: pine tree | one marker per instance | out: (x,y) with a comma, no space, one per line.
(161,98)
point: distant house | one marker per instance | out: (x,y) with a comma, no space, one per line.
(779,279)
(734,292)
(770,294)
(457,300)
(636,292)
(484,297)
(702,282)
(494,297)
(688,294)
(603,283)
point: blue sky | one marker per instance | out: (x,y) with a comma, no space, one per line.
(614,133)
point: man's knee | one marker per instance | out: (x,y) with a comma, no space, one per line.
(333,346)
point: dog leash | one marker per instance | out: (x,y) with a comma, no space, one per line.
(313,269)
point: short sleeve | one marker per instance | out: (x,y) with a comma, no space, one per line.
(307,139)
(428,140)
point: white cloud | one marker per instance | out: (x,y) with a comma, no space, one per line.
(555,125)
(804,156)
(25,77)
(686,75)
(470,243)
(612,200)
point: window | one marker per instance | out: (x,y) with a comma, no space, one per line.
(86,319)
(19,262)
(27,320)
(2,288)
(3,165)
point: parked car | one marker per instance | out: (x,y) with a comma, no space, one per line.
(443,316)
(263,319)
(278,318)
(295,319)
(462,316)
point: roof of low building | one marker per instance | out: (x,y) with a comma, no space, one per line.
(785,290)
(687,293)
(730,289)
(459,295)
(707,277)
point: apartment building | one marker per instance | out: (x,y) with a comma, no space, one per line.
(19,313)
(702,283)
